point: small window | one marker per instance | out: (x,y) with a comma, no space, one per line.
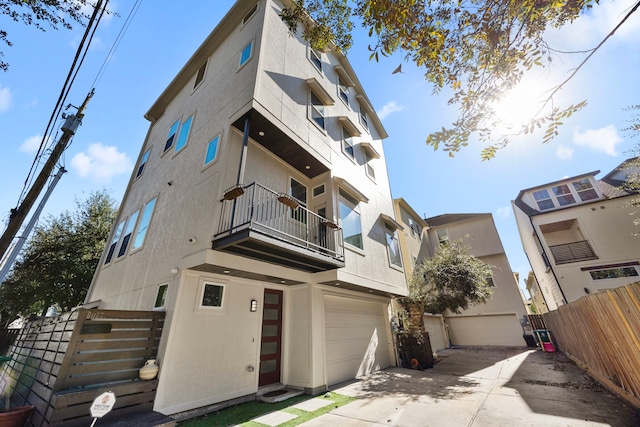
(347,144)
(250,14)
(184,134)
(319,190)
(246,54)
(585,190)
(393,247)
(317,110)
(343,91)
(543,199)
(143,162)
(200,75)
(316,58)
(490,282)
(144,224)
(563,195)
(212,150)
(363,117)
(128,230)
(443,236)
(368,167)
(212,295)
(161,296)
(350,220)
(114,242)
(614,273)
(172,135)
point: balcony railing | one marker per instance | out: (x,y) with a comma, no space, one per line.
(572,252)
(280,217)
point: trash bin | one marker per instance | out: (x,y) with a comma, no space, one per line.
(544,339)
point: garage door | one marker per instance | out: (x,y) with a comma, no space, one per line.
(502,329)
(356,338)
(433,323)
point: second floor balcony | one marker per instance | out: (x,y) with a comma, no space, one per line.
(259,223)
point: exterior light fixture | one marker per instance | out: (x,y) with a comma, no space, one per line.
(254,306)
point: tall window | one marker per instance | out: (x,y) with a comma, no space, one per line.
(114,242)
(393,247)
(144,224)
(184,134)
(368,166)
(212,150)
(172,135)
(363,117)
(443,236)
(347,143)
(143,162)
(316,58)
(317,110)
(343,91)
(299,192)
(246,53)
(200,74)
(350,220)
(128,230)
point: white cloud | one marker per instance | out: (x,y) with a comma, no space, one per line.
(504,212)
(31,144)
(101,162)
(5,99)
(391,107)
(604,139)
(564,153)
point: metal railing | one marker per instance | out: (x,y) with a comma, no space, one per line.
(281,217)
(572,252)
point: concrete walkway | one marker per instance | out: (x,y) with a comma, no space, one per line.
(481,387)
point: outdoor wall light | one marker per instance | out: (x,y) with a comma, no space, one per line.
(174,270)
(254,306)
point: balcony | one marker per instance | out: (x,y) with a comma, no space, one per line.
(572,252)
(259,223)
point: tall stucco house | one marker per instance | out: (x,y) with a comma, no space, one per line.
(496,322)
(578,234)
(259,217)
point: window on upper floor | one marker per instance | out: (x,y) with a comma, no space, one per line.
(415,228)
(315,56)
(212,150)
(565,194)
(368,166)
(161,296)
(184,134)
(318,190)
(316,110)
(246,53)
(443,236)
(143,162)
(490,281)
(128,230)
(200,74)
(393,247)
(543,199)
(172,135)
(347,144)
(585,190)
(363,117)
(144,224)
(250,14)
(114,242)
(343,91)
(299,192)
(350,219)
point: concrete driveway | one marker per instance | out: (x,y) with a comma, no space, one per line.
(478,387)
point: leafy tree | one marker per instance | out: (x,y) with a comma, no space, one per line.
(633,177)
(479,49)
(58,263)
(38,12)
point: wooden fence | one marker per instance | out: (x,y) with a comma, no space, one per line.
(601,333)
(61,364)
(7,338)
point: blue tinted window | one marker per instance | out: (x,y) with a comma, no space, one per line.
(184,134)
(144,224)
(212,150)
(246,53)
(143,162)
(172,135)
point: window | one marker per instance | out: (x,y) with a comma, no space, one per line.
(363,117)
(114,243)
(172,135)
(347,144)
(614,273)
(350,220)
(317,110)
(543,199)
(443,236)
(250,14)
(128,230)
(184,134)
(212,150)
(200,74)
(143,161)
(393,247)
(490,282)
(299,192)
(161,296)
(144,224)
(563,195)
(343,91)
(585,190)
(212,295)
(246,53)
(319,190)
(315,56)
(368,167)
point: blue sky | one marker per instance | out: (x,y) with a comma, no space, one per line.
(160,39)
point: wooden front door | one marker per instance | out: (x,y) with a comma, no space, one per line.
(271,340)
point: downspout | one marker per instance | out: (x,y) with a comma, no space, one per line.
(536,277)
(564,298)
(241,168)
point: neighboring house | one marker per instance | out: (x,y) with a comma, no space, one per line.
(259,218)
(497,322)
(411,237)
(537,298)
(578,235)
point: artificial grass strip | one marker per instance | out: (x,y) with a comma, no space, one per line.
(243,414)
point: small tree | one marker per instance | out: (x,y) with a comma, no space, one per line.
(57,265)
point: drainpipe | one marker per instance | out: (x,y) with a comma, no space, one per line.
(564,298)
(537,281)
(241,168)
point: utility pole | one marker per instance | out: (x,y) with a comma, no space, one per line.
(19,214)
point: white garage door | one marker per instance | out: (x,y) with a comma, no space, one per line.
(356,338)
(433,323)
(502,329)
